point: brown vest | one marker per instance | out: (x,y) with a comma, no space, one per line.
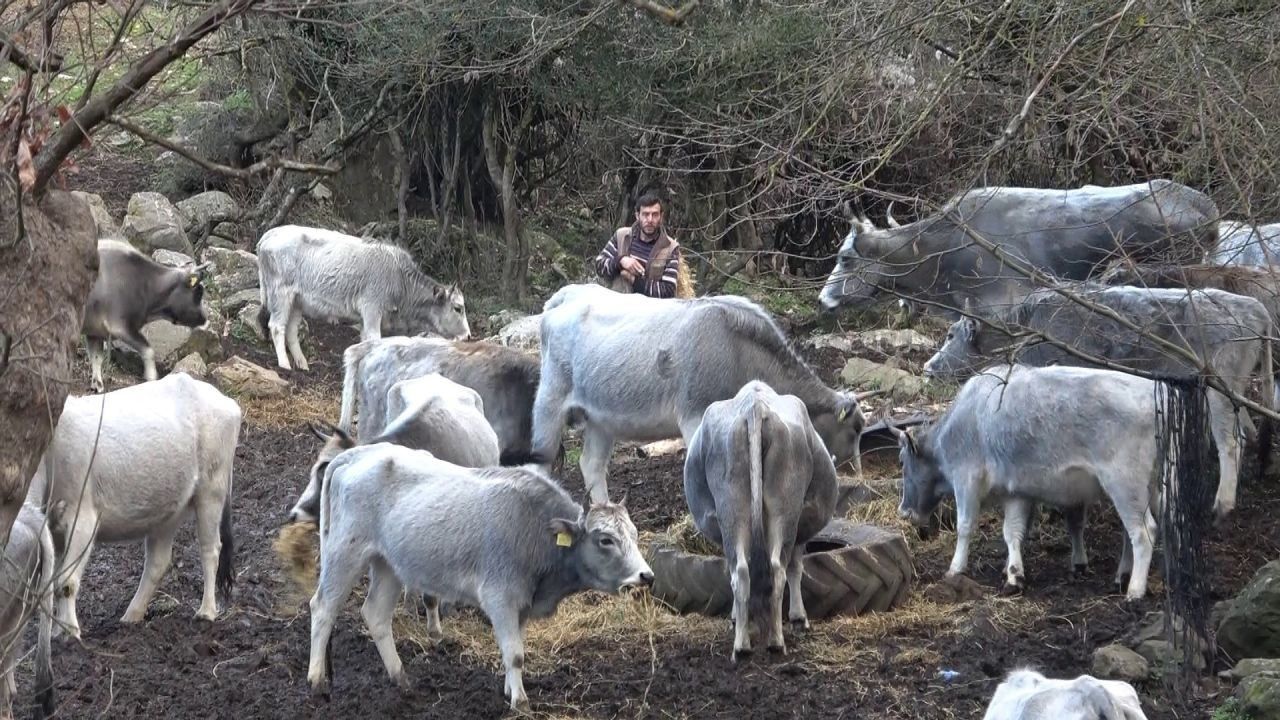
(661,251)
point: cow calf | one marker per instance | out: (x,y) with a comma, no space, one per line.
(509,541)
(760,483)
(1028,695)
(132,464)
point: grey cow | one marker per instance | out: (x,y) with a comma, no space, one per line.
(1067,233)
(505,378)
(1064,436)
(131,290)
(325,274)
(429,413)
(760,483)
(1028,695)
(509,541)
(1246,245)
(638,368)
(1228,332)
(26,592)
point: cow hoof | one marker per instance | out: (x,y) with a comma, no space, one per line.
(741,654)
(1122,580)
(132,618)
(404,683)
(1011,588)
(321,689)
(799,624)
(778,649)
(1081,570)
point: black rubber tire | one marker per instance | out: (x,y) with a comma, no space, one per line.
(853,569)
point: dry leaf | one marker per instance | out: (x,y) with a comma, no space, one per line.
(26,170)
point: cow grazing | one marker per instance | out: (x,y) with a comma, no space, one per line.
(132,464)
(760,483)
(1261,284)
(429,413)
(509,541)
(1064,436)
(26,591)
(130,291)
(505,378)
(1028,695)
(1067,233)
(325,274)
(637,368)
(1243,244)
(1227,332)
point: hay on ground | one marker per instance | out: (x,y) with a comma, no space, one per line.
(298,547)
(316,403)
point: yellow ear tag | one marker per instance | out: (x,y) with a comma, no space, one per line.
(194,280)
(844,412)
(564,539)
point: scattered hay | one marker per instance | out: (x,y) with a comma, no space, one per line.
(298,548)
(315,403)
(684,535)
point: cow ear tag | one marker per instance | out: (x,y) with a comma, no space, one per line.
(194,280)
(564,539)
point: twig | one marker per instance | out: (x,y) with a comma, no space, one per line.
(259,168)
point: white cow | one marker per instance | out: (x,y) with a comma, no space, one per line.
(329,275)
(26,591)
(1028,695)
(131,465)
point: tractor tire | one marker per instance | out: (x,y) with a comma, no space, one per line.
(849,569)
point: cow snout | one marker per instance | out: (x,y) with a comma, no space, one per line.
(646,579)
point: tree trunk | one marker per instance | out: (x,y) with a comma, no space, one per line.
(402,192)
(515,267)
(48,262)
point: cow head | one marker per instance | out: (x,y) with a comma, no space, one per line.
(603,546)
(959,356)
(841,428)
(443,311)
(307,508)
(858,277)
(923,484)
(183,298)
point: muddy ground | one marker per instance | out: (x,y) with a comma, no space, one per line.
(251,663)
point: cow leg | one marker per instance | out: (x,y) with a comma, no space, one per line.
(159,553)
(967,509)
(1140,528)
(740,581)
(339,572)
(434,630)
(776,642)
(1016,512)
(281,309)
(509,631)
(208,517)
(1125,569)
(97,348)
(1222,422)
(136,340)
(1076,518)
(597,445)
(291,338)
(370,323)
(379,606)
(76,556)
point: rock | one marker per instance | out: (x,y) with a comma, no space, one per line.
(1119,662)
(196,209)
(503,318)
(955,589)
(660,448)
(232,303)
(192,365)
(172,342)
(173,259)
(106,227)
(1260,696)
(830,340)
(1165,657)
(1218,611)
(892,342)
(248,316)
(866,375)
(523,334)
(1254,666)
(241,377)
(233,270)
(153,223)
(1251,626)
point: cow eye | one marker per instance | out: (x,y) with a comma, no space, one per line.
(606,541)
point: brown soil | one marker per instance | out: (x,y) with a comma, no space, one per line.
(252,662)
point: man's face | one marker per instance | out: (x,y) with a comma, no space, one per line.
(650,217)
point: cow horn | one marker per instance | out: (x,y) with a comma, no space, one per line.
(317,430)
(868,394)
(888,214)
(202,267)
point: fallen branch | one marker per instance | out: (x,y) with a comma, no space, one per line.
(259,168)
(52,62)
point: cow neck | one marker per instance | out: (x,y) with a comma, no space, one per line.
(560,581)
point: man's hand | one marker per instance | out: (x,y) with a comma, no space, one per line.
(631,264)
(628,276)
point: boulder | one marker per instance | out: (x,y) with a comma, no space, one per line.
(1251,626)
(106,226)
(172,342)
(1152,643)
(1166,657)
(233,270)
(196,209)
(502,318)
(1120,663)
(523,334)
(248,316)
(152,223)
(173,259)
(866,375)
(238,376)
(1254,666)
(842,343)
(893,342)
(1259,696)
(231,304)
(192,365)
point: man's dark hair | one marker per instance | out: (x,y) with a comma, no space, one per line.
(648,198)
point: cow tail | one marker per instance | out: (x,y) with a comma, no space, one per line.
(264,314)
(351,359)
(226,576)
(760,572)
(44,662)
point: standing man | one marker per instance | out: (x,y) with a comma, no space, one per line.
(642,258)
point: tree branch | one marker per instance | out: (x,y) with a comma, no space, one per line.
(52,62)
(97,110)
(668,15)
(259,168)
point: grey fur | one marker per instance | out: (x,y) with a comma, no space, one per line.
(1246,245)
(1028,695)
(1064,436)
(327,275)
(482,537)
(1067,233)
(760,484)
(644,369)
